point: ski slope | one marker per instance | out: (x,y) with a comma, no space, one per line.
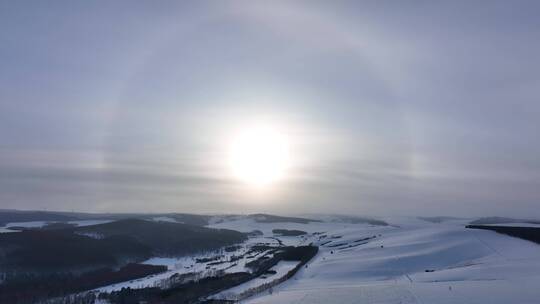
(411,261)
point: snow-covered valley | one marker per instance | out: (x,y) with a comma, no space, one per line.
(407,260)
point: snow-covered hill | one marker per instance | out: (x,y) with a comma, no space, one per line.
(409,261)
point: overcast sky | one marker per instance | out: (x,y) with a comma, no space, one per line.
(391,107)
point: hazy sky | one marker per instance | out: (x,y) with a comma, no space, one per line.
(390,107)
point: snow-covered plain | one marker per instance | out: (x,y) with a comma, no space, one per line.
(410,261)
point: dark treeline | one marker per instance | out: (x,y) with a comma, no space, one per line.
(20,287)
(165,238)
(527,233)
(501,220)
(286,232)
(61,250)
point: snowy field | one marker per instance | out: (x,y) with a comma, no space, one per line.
(410,261)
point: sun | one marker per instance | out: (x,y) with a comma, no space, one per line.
(259,155)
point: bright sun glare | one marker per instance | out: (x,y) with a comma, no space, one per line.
(259,155)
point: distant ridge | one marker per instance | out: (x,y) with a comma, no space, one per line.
(7,216)
(437,219)
(501,220)
(11,216)
(353,219)
(267,218)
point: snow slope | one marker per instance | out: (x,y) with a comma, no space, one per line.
(411,261)
(281,269)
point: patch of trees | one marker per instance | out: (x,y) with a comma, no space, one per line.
(189,292)
(346,245)
(302,253)
(263,263)
(352,245)
(254,233)
(527,233)
(286,232)
(235,258)
(232,248)
(60,250)
(193,288)
(165,238)
(80,298)
(365,239)
(23,287)
(326,243)
(258,249)
(208,259)
(337,245)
